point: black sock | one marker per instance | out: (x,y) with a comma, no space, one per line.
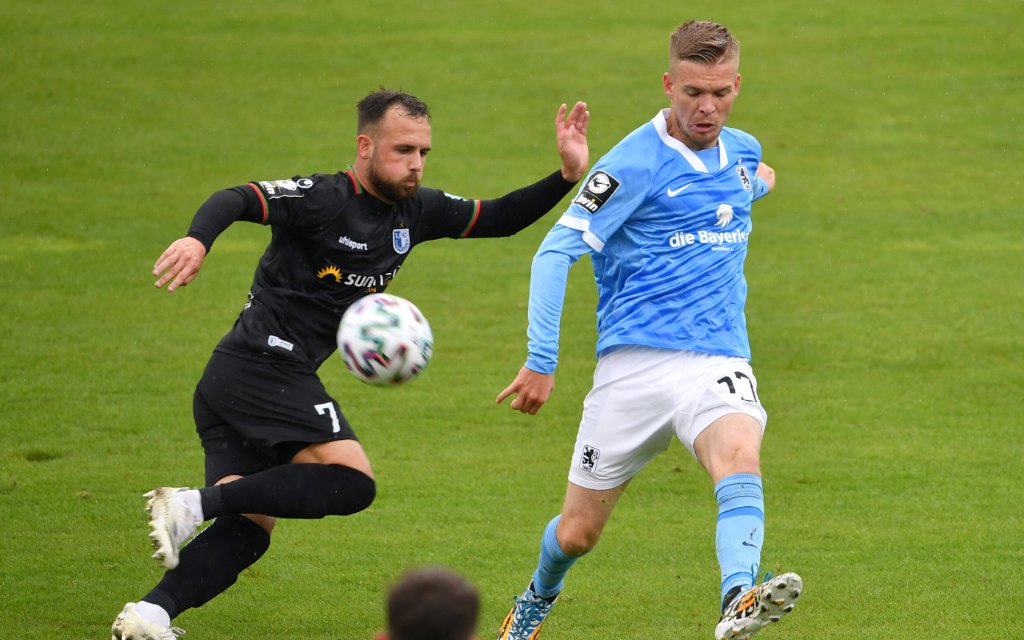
(293,491)
(210,564)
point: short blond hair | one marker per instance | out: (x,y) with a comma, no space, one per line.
(704,42)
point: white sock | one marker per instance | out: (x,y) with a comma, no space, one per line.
(153,613)
(194,504)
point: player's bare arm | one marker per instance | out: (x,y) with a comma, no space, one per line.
(767,174)
(532,390)
(571,134)
(179,263)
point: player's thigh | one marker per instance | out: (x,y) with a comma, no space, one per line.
(627,417)
(276,407)
(348,453)
(729,445)
(720,418)
(227,453)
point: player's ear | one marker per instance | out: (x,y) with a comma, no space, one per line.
(364,146)
(380,635)
(666,83)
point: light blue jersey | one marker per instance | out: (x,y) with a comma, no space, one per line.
(667,229)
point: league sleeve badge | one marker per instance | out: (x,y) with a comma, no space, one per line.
(597,191)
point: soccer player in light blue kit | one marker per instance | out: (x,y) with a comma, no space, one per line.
(665,217)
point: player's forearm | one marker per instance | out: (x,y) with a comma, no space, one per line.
(761,188)
(519,209)
(548,279)
(217,213)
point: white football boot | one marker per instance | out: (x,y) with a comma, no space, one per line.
(172,523)
(759,606)
(528,613)
(129,625)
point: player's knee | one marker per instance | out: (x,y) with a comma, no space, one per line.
(577,540)
(740,460)
(355,491)
(265,522)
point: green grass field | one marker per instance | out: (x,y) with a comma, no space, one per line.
(886,276)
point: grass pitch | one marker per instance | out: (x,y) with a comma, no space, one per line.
(885,277)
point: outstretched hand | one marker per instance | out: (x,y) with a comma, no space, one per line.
(531,390)
(571,134)
(179,263)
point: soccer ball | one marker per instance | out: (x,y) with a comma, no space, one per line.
(384,340)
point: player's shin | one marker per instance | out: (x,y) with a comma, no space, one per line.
(739,534)
(553,563)
(210,563)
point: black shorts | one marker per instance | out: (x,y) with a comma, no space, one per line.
(255,414)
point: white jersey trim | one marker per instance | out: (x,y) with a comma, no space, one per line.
(580,224)
(660,122)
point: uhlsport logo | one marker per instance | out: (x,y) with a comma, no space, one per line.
(352,244)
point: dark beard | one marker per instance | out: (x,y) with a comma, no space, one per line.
(389,191)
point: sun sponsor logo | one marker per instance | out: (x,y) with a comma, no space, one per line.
(370,282)
(330,271)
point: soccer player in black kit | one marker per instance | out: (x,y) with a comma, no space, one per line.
(276,443)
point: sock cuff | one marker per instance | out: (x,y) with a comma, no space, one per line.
(211,499)
(740,491)
(739,484)
(549,541)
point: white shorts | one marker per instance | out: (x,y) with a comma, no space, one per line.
(642,396)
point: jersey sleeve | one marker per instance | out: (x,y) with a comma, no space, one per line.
(614,189)
(302,201)
(760,188)
(446,215)
(560,249)
(750,157)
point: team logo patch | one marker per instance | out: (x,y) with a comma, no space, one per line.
(400,240)
(588,461)
(598,190)
(744,177)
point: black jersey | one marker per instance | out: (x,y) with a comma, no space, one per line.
(332,243)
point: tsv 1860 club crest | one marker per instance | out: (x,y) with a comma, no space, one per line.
(400,240)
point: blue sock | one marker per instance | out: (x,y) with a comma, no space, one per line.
(552,565)
(740,532)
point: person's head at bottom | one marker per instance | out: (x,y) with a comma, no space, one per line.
(431,603)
